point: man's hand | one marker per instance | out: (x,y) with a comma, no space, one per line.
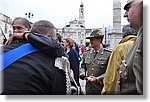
(82,76)
(18,35)
(91,79)
(15,35)
(9,41)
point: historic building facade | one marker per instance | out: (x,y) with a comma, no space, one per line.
(76,28)
(5,26)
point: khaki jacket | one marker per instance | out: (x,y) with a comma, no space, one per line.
(112,71)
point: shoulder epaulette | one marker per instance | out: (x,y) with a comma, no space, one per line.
(109,50)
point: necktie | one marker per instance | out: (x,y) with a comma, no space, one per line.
(95,54)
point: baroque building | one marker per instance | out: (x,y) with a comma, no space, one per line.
(76,28)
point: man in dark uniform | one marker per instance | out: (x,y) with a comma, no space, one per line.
(131,70)
(36,73)
(94,64)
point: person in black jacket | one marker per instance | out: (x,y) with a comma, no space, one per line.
(36,73)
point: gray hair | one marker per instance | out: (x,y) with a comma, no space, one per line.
(26,22)
(127,30)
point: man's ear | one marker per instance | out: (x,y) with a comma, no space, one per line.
(48,35)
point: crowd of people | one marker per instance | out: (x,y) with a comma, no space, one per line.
(37,61)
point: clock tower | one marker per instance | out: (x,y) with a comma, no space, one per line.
(81,14)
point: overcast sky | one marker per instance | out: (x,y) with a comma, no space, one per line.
(98,13)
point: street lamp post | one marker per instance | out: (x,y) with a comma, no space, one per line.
(29,15)
(105,35)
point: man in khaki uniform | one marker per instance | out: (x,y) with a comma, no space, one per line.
(94,64)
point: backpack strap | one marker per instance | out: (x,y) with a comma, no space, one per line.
(15,54)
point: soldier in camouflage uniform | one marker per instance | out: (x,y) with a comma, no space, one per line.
(94,64)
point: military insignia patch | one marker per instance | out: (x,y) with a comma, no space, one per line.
(99,33)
